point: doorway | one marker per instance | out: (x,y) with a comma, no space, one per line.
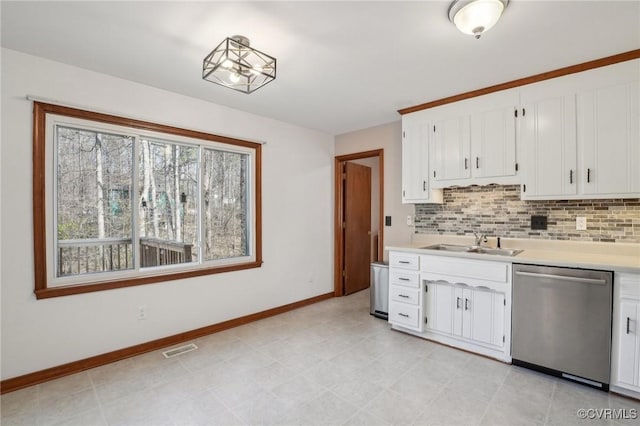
(358,221)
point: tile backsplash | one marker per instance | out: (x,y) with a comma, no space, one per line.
(497,211)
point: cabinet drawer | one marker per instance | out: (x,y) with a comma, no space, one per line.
(628,284)
(404,260)
(405,295)
(404,278)
(455,266)
(405,315)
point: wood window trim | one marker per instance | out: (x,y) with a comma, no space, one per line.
(40,111)
(585,66)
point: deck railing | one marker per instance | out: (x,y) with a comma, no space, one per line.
(114,254)
(155,252)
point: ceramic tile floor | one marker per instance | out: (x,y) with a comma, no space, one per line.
(326,364)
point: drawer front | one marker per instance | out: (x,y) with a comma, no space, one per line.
(405,295)
(458,267)
(404,278)
(404,260)
(628,284)
(404,315)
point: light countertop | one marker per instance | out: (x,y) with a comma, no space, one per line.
(617,257)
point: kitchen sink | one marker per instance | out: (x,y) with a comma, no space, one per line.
(497,251)
(449,247)
(474,249)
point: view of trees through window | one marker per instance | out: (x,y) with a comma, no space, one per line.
(96,191)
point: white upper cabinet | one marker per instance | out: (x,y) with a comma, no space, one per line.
(452,138)
(415,161)
(493,142)
(581,135)
(475,141)
(548,136)
(608,136)
(571,137)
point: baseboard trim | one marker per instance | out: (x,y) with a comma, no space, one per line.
(20,382)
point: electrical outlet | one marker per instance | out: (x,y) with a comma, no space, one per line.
(581,223)
(539,222)
(142,312)
(409,220)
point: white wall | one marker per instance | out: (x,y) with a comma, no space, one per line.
(297,224)
(387,137)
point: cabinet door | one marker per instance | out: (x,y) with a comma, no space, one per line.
(415,162)
(411,159)
(493,143)
(440,307)
(452,139)
(629,343)
(486,312)
(549,137)
(609,140)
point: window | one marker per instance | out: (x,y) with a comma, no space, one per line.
(121,202)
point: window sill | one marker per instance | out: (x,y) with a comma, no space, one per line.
(69,290)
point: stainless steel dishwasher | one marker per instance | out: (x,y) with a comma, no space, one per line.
(561,322)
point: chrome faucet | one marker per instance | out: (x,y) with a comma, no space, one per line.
(480,238)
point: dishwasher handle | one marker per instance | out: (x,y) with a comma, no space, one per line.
(596,281)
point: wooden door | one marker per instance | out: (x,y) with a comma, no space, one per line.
(357,227)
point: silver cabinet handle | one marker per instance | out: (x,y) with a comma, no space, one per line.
(562,278)
(628,321)
(405,262)
(457,303)
(477,162)
(404,279)
(403,296)
(466,163)
(571,176)
(403,315)
(424,185)
(588,175)
(466,304)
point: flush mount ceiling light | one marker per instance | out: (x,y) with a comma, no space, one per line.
(475,17)
(236,65)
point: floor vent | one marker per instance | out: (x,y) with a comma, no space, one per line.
(179,351)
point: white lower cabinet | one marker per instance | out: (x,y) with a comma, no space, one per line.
(405,296)
(466,304)
(625,356)
(459,302)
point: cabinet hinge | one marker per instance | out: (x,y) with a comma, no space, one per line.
(344,273)
(516,167)
(344,176)
(344,224)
